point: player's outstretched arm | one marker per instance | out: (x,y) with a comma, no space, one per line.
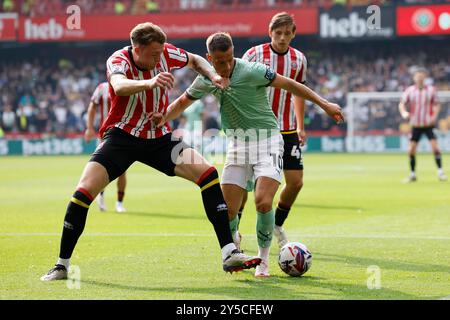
(174,110)
(126,87)
(300,90)
(299,109)
(402,109)
(89,134)
(202,66)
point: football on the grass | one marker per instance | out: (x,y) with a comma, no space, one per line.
(295,259)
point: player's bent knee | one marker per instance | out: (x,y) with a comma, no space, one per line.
(94,178)
(264,208)
(263,204)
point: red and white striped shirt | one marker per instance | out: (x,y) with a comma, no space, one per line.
(101,98)
(421,102)
(291,64)
(131,113)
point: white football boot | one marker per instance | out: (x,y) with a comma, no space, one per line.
(238,261)
(119,207)
(262,271)
(411,178)
(58,272)
(101,202)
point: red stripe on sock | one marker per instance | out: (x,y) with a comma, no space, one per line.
(205,175)
(86,193)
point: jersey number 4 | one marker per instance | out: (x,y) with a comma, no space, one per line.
(295,152)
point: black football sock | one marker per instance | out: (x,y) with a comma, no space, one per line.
(281,214)
(438,159)
(412,163)
(215,206)
(74,222)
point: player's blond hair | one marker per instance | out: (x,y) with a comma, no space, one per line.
(145,33)
(219,41)
(282,19)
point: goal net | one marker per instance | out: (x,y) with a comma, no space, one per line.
(374,123)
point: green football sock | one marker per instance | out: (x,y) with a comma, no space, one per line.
(234,225)
(264,228)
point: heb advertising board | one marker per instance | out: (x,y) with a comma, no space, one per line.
(423,20)
(175,25)
(371,22)
(8,23)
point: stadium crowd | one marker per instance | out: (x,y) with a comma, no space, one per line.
(52,96)
(120,7)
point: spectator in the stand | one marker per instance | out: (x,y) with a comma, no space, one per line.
(119,7)
(22,119)
(8,119)
(42,120)
(192,4)
(152,6)
(9,5)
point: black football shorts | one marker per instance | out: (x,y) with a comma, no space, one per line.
(119,150)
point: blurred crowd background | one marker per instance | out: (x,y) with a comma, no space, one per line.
(50,92)
(50,7)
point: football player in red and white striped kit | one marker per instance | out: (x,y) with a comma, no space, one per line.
(139,78)
(101,101)
(421,101)
(289,110)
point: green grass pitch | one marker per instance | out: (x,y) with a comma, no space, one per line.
(362,225)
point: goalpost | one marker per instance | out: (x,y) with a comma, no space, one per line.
(374,123)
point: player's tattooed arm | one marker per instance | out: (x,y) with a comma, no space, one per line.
(202,66)
(300,90)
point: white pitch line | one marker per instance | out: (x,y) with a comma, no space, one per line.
(312,236)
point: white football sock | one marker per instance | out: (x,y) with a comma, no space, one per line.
(263,253)
(226,251)
(64,262)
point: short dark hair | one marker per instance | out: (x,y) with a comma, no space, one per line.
(219,41)
(146,33)
(282,19)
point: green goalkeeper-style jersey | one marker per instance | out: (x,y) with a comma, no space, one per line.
(244,104)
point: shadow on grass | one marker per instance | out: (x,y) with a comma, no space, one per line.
(384,263)
(164,215)
(274,288)
(324,207)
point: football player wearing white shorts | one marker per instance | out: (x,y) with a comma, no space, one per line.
(255,142)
